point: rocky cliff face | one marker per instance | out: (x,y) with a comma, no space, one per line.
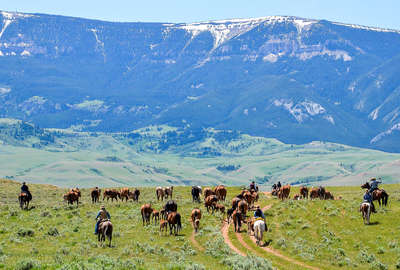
(291,78)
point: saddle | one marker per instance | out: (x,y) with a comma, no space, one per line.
(259,218)
(104,220)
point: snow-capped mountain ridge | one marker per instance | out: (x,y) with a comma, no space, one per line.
(291,78)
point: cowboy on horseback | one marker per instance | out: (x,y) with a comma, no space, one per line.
(374,185)
(258,214)
(279,185)
(368,198)
(252,185)
(25,189)
(102,215)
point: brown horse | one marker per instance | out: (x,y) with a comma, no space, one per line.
(314,193)
(124,194)
(220,207)
(379,195)
(243,206)
(24,200)
(160,193)
(146,212)
(155,216)
(284,192)
(163,226)
(304,192)
(95,194)
(168,192)
(174,222)
(235,202)
(71,197)
(220,191)
(328,196)
(209,202)
(237,217)
(196,216)
(134,195)
(111,193)
(365,209)
(297,197)
(105,230)
(207,192)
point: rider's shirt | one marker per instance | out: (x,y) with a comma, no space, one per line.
(368,197)
(374,184)
(103,214)
(258,214)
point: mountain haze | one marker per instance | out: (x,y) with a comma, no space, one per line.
(294,79)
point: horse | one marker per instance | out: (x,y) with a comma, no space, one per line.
(196,190)
(134,195)
(124,194)
(77,191)
(220,191)
(243,206)
(378,194)
(155,216)
(160,193)
(229,213)
(146,211)
(170,206)
(235,202)
(259,228)
(207,192)
(24,200)
(163,226)
(304,192)
(111,193)
(328,196)
(220,207)
(365,209)
(297,197)
(72,197)
(168,192)
(249,198)
(237,220)
(314,193)
(209,202)
(174,222)
(105,230)
(196,216)
(284,192)
(321,192)
(95,194)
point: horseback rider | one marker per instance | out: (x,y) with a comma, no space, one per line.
(252,185)
(101,216)
(25,189)
(274,186)
(374,185)
(279,185)
(368,198)
(258,214)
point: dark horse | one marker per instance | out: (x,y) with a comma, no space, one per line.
(105,229)
(378,194)
(24,200)
(174,222)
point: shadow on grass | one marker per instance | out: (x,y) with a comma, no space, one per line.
(374,223)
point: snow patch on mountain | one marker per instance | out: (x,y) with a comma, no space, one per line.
(99,43)
(369,28)
(374,114)
(303,110)
(388,132)
(91,106)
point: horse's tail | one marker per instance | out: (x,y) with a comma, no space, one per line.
(385,198)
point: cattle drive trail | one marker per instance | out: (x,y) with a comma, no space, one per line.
(195,243)
(225,230)
(270,250)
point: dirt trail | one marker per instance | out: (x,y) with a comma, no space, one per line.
(225,230)
(195,243)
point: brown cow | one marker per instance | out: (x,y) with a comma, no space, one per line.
(314,193)
(146,211)
(220,191)
(124,194)
(235,202)
(95,194)
(237,217)
(160,193)
(207,192)
(155,216)
(111,193)
(163,226)
(209,202)
(304,192)
(196,216)
(249,198)
(134,195)
(284,192)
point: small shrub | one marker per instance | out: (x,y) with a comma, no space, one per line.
(365,257)
(25,232)
(45,214)
(53,232)
(381,250)
(281,242)
(392,244)
(377,265)
(249,262)
(27,264)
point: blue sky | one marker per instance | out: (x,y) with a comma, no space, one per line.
(381,13)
